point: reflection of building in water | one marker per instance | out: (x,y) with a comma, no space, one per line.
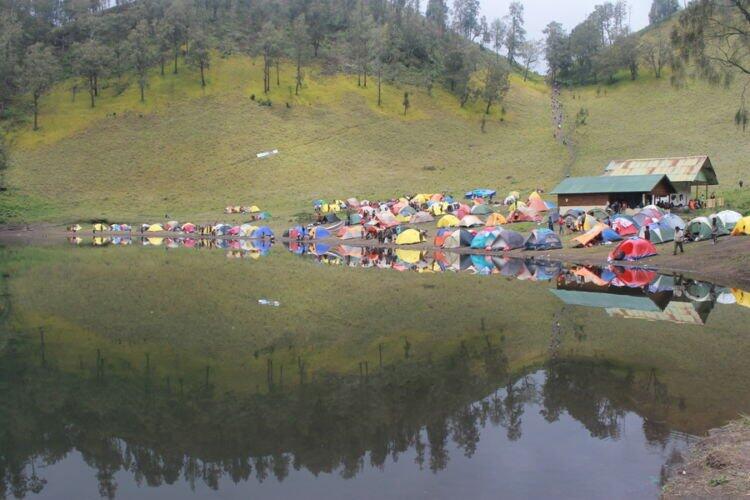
(664,298)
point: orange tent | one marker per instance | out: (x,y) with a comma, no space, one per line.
(537,204)
(496,220)
(589,236)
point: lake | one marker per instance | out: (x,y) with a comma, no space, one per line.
(178,369)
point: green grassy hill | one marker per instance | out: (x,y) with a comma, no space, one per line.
(188,152)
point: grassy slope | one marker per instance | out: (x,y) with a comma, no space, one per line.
(190,153)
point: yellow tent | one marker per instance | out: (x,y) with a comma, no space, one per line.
(589,222)
(438,208)
(534,195)
(409,237)
(421,198)
(403,218)
(496,220)
(409,256)
(155,228)
(742,227)
(254,209)
(448,221)
(101,227)
(589,236)
(741,297)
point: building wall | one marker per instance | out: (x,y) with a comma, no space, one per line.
(582,200)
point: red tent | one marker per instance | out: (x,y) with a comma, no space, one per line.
(633,249)
(632,277)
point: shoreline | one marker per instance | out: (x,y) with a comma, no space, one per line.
(727,263)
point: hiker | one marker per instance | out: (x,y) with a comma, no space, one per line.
(551,224)
(714,230)
(679,238)
(647,233)
(561,223)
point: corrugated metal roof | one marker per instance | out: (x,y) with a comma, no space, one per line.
(693,169)
(609,184)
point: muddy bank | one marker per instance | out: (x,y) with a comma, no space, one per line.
(718,466)
(726,263)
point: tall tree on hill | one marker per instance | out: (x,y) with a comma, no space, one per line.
(359,38)
(142,54)
(164,45)
(380,49)
(498,32)
(496,85)
(714,36)
(4,161)
(317,21)
(628,54)
(199,55)
(556,50)
(270,45)
(516,32)
(465,17)
(530,51)
(301,42)
(662,10)
(175,29)
(91,61)
(40,70)
(656,53)
(437,14)
(11,37)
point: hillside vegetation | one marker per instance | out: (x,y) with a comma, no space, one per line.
(188,152)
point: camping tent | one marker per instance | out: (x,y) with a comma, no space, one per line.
(508,240)
(524,214)
(189,227)
(542,239)
(589,237)
(660,233)
(155,228)
(458,238)
(263,232)
(319,233)
(448,221)
(485,238)
(351,232)
(470,221)
(700,228)
(537,204)
(728,217)
(633,249)
(386,219)
(441,235)
(672,221)
(420,217)
(481,209)
(409,237)
(625,226)
(609,235)
(742,227)
(496,220)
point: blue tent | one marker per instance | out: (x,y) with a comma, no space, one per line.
(542,239)
(482,264)
(480,193)
(263,232)
(263,246)
(319,248)
(609,234)
(321,233)
(484,239)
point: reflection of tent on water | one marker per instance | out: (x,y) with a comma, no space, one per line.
(544,271)
(512,268)
(632,277)
(482,264)
(319,249)
(319,233)
(458,262)
(409,256)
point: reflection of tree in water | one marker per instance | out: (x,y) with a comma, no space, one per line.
(329,424)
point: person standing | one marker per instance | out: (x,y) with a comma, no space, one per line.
(551,223)
(679,238)
(714,230)
(647,233)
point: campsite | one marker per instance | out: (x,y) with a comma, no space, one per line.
(374,249)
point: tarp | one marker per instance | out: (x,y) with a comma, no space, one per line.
(448,221)
(470,221)
(421,217)
(742,227)
(589,236)
(632,249)
(508,240)
(496,220)
(409,237)
(542,239)
(480,193)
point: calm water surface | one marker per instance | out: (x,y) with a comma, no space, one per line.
(151,370)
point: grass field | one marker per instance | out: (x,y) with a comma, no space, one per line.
(188,152)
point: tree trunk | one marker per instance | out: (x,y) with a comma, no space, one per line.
(203,77)
(316,44)
(380,71)
(359,79)
(464,98)
(278,81)
(143,98)
(96,85)
(161,63)
(36,110)
(299,73)
(526,73)
(176,54)
(489,104)
(91,90)
(364,70)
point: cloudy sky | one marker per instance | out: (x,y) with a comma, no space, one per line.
(539,13)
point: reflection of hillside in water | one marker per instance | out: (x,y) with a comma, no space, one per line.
(163,431)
